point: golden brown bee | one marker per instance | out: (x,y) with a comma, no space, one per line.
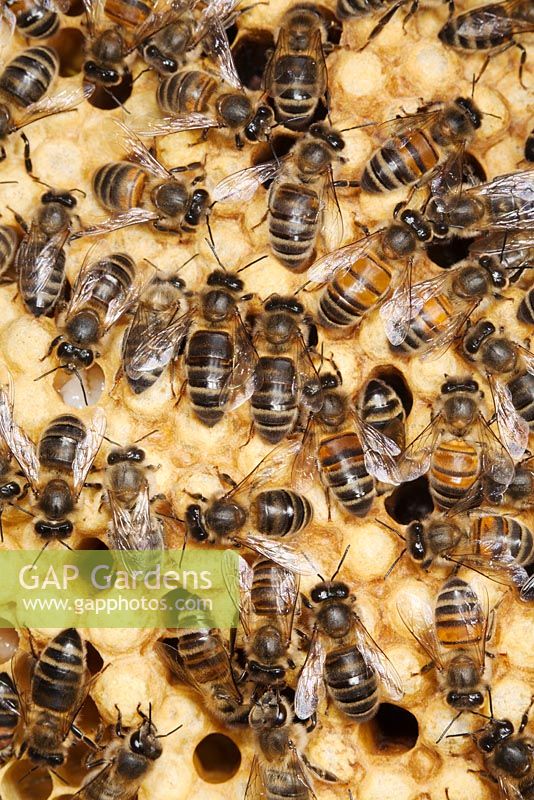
(301,198)
(462,456)
(120,187)
(56,470)
(491,28)
(9,716)
(59,685)
(454,637)
(419,144)
(343,658)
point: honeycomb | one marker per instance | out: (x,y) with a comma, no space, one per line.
(396,753)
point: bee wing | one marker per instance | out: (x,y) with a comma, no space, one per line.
(489,21)
(513,428)
(7,26)
(94,12)
(332,228)
(286,589)
(375,658)
(38,261)
(310,689)
(405,305)
(527,357)
(256,787)
(87,279)
(418,619)
(134,216)
(20,445)
(507,789)
(286,554)
(65,100)
(305,469)
(162,14)
(135,148)
(9,700)
(487,558)
(240,384)
(120,304)
(219,45)
(403,125)
(87,450)
(520,186)
(213,12)
(172,660)
(497,463)
(244,184)
(161,340)
(499,244)
(243,574)
(415,458)
(379,452)
(340,261)
(271,465)
(178,124)
(135,528)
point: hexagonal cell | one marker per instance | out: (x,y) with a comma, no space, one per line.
(9,641)
(251,53)
(217,758)
(69,43)
(80,389)
(410,501)
(393,730)
(19,782)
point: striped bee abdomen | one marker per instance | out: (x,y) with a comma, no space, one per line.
(119,186)
(294,212)
(353,293)
(343,467)
(401,161)
(209,361)
(458,615)
(274,400)
(29,75)
(352,684)
(454,467)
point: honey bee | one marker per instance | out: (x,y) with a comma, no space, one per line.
(193,98)
(199,658)
(59,685)
(359,275)
(491,28)
(458,450)
(454,637)
(37,19)
(296,77)
(525,312)
(9,716)
(512,251)
(9,242)
(510,372)
(56,470)
(40,258)
(505,203)
(126,760)
(420,143)
(155,335)
(120,187)
(343,657)
(380,408)
(301,198)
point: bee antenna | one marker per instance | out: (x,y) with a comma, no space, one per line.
(27,774)
(111,441)
(390,528)
(4,183)
(82,387)
(250,264)
(80,191)
(356,127)
(211,246)
(116,100)
(42,183)
(303,286)
(449,726)
(20,508)
(41,551)
(49,372)
(191,258)
(169,733)
(392,567)
(64,544)
(490,700)
(146,435)
(343,557)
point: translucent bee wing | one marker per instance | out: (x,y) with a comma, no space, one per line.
(310,686)
(87,449)
(417,616)
(134,216)
(520,186)
(219,45)
(375,658)
(497,464)
(94,13)
(332,227)
(7,26)
(341,260)
(65,100)
(135,148)
(513,428)
(20,445)
(271,465)
(38,261)
(405,305)
(287,555)
(159,344)
(415,458)
(379,453)
(241,383)
(87,279)
(244,184)
(178,124)
(488,558)
(135,528)
(213,12)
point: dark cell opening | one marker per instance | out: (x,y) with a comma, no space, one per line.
(473,172)
(92,543)
(446,253)
(231,32)
(251,53)
(114,96)
(95,662)
(410,501)
(395,379)
(69,43)
(15,784)
(76,8)
(393,729)
(9,641)
(216,758)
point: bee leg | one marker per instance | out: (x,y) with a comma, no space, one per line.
(382,22)
(31,643)
(53,343)
(239,143)
(116,380)
(524,718)
(27,155)
(181,393)
(250,434)
(83,738)
(311,724)
(413,10)
(522,62)
(262,220)
(118,724)
(486,775)
(482,69)
(424,669)
(322,774)
(20,221)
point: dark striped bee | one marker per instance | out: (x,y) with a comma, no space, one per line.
(59,685)
(153,339)
(359,276)
(56,470)
(458,450)
(121,187)
(343,658)
(420,143)
(505,203)
(454,636)
(124,762)
(510,372)
(199,658)
(350,9)
(9,716)
(11,486)
(510,251)
(40,259)
(491,28)
(295,77)
(279,768)
(525,312)
(37,19)
(302,199)
(9,242)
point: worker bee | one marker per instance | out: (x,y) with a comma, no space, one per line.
(350,9)
(193,98)
(37,19)
(121,185)
(419,144)
(379,407)
(424,318)
(454,637)
(505,203)
(59,685)
(343,657)
(56,470)
(126,760)
(491,28)
(199,658)
(9,716)
(461,454)
(11,486)
(301,198)
(510,372)
(359,275)
(9,242)
(40,259)
(529,147)
(155,335)
(511,251)
(279,767)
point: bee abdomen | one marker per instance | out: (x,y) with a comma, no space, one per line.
(427,325)
(127,13)
(186,91)
(522,390)
(352,684)
(279,512)
(35,21)
(8,248)
(264,594)
(29,75)
(209,360)
(281,784)
(454,467)
(401,161)
(205,656)
(357,8)
(478,31)
(60,441)
(274,401)
(349,296)
(343,467)
(59,672)
(297,90)
(41,299)
(525,312)
(502,535)
(117,273)
(459,617)
(9,717)
(294,212)
(119,186)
